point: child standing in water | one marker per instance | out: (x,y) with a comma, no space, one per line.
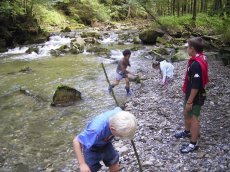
(122,72)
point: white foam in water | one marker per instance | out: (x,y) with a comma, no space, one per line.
(116,54)
(44,49)
(17,50)
(112,38)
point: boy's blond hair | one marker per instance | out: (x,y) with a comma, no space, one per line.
(125,124)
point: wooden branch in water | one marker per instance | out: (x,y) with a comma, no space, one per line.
(109,84)
(28,93)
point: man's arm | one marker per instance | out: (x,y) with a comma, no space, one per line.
(196,84)
(79,155)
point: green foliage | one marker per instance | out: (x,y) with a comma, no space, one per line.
(10,9)
(207,25)
(97,10)
(49,17)
(175,23)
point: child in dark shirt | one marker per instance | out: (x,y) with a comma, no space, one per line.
(194,88)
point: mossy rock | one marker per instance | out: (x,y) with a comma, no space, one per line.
(65,96)
(98,50)
(150,36)
(135,79)
(67,29)
(32,49)
(181,55)
(90,34)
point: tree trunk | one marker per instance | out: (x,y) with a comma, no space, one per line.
(191,7)
(169,7)
(173,7)
(227,7)
(194,11)
(202,6)
(129,11)
(178,8)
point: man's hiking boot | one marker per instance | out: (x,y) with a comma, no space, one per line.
(188,148)
(182,134)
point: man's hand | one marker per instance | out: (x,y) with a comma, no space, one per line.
(84,168)
(188,107)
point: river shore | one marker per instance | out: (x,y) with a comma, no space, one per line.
(159,113)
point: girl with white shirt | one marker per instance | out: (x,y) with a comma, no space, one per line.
(166,70)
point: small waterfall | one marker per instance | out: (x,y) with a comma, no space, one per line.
(55,42)
(113,37)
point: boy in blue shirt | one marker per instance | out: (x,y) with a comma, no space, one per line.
(94,144)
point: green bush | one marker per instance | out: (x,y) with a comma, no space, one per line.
(207,25)
(49,17)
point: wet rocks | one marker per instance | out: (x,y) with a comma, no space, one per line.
(150,36)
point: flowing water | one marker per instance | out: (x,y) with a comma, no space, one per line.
(34,135)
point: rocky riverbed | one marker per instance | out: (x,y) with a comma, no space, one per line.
(159,113)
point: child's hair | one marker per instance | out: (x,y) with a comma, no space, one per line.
(196,43)
(155,64)
(126,52)
(125,124)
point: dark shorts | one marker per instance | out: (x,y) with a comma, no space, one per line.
(195,110)
(108,155)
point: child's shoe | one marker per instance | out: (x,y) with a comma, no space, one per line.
(188,148)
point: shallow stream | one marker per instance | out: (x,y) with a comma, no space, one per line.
(36,136)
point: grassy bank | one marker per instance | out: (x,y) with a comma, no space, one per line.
(205,25)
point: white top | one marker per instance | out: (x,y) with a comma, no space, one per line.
(166,70)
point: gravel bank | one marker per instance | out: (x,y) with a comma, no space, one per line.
(159,113)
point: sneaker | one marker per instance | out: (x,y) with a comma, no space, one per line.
(110,89)
(129,93)
(182,134)
(188,148)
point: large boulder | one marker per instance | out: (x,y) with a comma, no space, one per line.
(98,50)
(65,96)
(150,36)
(76,47)
(90,34)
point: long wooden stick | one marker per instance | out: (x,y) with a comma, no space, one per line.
(133,144)
(109,84)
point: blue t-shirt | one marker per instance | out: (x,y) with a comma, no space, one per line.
(97,133)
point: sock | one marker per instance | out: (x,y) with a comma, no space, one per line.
(127,89)
(193,143)
(186,132)
(112,86)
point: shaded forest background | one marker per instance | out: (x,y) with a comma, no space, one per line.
(31,21)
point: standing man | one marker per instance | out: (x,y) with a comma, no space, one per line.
(194,88)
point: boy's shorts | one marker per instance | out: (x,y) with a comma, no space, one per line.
(195,110)
(108,155)
(119,77)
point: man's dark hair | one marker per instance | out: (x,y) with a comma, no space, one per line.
(126,52)
(196,43)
